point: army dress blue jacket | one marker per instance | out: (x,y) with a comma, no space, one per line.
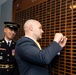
(7,57)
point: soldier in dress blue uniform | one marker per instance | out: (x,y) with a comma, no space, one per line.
(8,65)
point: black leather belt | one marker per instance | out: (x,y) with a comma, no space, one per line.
(6,66)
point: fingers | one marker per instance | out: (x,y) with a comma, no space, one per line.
(63,41)
(59,38)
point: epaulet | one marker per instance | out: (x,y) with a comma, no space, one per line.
(1,41)
(13,42)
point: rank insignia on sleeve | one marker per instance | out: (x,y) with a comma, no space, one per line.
(2,49)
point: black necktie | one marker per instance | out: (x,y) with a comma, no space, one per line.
(9,44)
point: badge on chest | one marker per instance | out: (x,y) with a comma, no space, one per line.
(13,52)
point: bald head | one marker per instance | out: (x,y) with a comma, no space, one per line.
(33,28)
(30,23)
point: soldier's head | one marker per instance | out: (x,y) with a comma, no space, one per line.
(10,30)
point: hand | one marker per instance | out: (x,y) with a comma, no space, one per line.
(58,37)
(63,41)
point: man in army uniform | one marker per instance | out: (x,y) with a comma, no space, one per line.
(8,65)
